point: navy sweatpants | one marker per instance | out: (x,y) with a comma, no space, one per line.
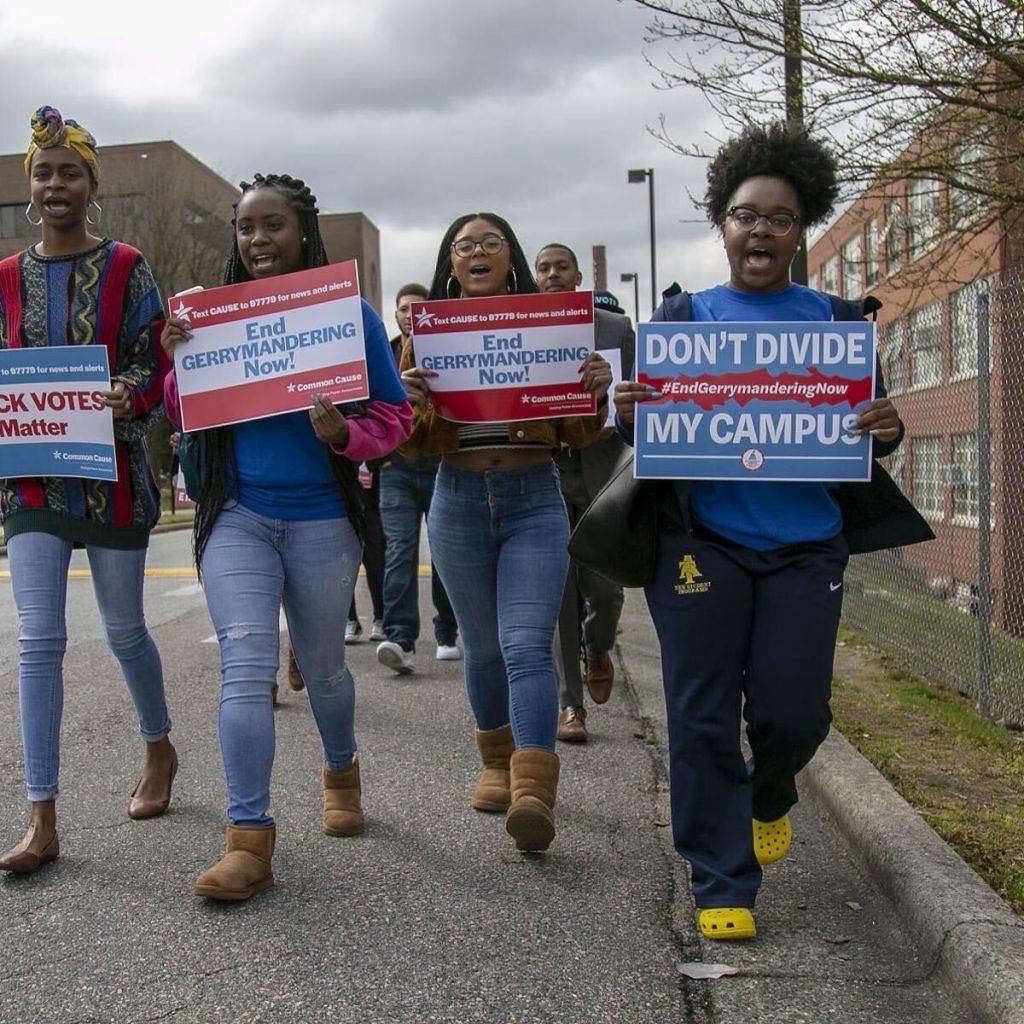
(741,628)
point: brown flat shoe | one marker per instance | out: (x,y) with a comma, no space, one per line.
(139,809)
(22,861)
(572,726)
(295,680)
(600,675)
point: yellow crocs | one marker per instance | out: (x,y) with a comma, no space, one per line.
(727,923)
(772,839)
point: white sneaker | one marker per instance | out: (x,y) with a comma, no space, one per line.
(353,632)
(393,657)
(448,652)
(377,633)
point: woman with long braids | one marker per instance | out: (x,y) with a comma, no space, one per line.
(498,532)
(75,288)
(279,521)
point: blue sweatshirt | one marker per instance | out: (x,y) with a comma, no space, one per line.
(766,515)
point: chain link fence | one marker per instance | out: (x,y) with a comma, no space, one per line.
(953,609)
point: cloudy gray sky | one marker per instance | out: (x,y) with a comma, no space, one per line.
(413,111)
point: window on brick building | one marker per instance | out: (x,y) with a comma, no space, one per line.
(895,228)
(970,169)
(853,287)
(925,344)
(923,209)
(830,275)
(897,464)
(872,244)
(14,223)
(964,480)
(964,328)
(926,476)
(893,344)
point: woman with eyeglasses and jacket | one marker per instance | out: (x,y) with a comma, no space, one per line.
(758,630)
(498,532)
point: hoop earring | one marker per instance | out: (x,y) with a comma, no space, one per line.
(99,213)
(514,290)
(28,216)
(448,287)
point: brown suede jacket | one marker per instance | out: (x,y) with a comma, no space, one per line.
(433,435)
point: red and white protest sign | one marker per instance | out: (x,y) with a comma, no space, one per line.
(509,357)
(270,346)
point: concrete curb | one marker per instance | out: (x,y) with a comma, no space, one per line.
(969,934)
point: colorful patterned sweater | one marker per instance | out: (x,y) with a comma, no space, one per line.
(106,296)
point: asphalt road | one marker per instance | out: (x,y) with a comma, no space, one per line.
(431,915)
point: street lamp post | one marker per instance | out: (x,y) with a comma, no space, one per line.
(635,278)
(636,177)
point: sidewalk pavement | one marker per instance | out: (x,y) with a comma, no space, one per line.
(432,916)
(871,913)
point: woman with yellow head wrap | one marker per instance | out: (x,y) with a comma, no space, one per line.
(49,129)
(72,288)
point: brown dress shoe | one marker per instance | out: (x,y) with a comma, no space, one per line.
(572,725)
(139,808)
(23,861)
(600,675)
(295,680)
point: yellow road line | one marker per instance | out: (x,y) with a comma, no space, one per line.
(174,573)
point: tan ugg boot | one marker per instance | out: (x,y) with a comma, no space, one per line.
(492,793)
(531,818)
(343,812)
(244,870)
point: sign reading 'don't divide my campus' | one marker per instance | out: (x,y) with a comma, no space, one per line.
(509,357)
(52,418)
(755,401)
(269,346)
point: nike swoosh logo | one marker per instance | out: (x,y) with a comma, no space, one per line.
(834,586)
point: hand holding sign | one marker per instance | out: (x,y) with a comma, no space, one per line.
(881,419)
(119,399)
(414,380)
(627,394)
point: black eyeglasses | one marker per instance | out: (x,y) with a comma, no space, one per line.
(491,245)
(746,220)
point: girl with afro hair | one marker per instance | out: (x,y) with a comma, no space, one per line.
(759,632)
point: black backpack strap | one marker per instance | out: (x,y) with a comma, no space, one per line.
(850,309)
(676,306)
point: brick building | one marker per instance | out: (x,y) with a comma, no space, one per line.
(177,210)
(946,278)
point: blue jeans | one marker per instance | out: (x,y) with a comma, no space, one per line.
(499,538)
(39,578)
(251,566)
(406,489)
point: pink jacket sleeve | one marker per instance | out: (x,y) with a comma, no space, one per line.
(377,434)
(172,405)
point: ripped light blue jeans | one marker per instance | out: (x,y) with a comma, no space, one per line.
(251,566)
(39,578)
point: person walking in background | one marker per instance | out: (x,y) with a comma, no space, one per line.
(582,472)
(498,531)
(76,288)
(759,631)
(406,487)
(278,521)
(373,558)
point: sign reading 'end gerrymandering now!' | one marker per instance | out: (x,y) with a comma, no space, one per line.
(53,421)
(755,401)
(510,357)
(270,346)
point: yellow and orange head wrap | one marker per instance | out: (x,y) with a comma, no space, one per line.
(49,129)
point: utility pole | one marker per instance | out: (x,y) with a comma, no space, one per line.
(793,41)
